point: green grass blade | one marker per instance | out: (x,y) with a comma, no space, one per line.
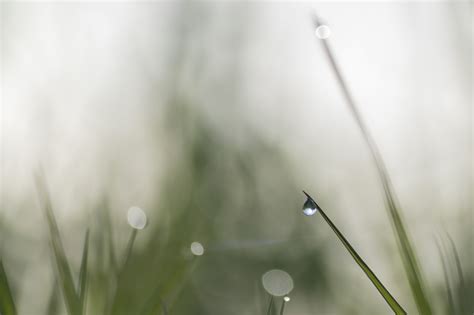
(129,249)
(449,291)
(370,274)
(409,259)
(282,308)
(81,288)
(270,306)
(7,305)
(53,302)
(63,268)
(462,295)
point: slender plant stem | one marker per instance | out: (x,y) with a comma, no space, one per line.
(270,305)
(409,259)
(397,308)
(462,287)
(449,291)
(128,251)
(282,309)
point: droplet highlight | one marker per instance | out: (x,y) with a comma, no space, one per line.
(286,298)
(197,249)
(277,282)
(323,31)
(136,217)
(310,207)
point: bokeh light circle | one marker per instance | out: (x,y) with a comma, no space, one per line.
(277,282)
(197,249)
(136,217)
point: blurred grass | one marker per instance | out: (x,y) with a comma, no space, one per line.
(82,284)
(7,305)
(209,177)
(407,253)
(63,269)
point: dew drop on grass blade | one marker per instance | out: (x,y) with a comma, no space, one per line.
(370,274)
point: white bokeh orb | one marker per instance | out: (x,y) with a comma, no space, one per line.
(286,298)
(197,249)
(323,31)
(277,282)
(136,217)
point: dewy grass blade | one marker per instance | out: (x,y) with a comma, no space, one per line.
(63,269)
(81,288)
(408,256)
(397,308)
(7,306)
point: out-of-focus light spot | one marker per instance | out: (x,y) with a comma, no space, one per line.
(197,249)
(277,282)
(323,31)
(286,299)
(136,217)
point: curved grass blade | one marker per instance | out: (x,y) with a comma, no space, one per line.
(63,268)
(81,288)
(410,261)
(397,308)
(7,305)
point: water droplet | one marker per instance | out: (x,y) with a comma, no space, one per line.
(197,249)
(277,282)
(136,217)
(323,31)
(286,298)
(310,207)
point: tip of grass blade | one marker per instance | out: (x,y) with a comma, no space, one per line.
(63,269)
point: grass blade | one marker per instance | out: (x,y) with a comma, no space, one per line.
(282,308)
(410,261)
(449,291)
(270,306)
(370,274)
(53,302)
(462,296)
(63,268)
(128,251)
(7,305)
(81,288)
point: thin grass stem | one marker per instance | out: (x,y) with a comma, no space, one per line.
(270,306)
(282,308)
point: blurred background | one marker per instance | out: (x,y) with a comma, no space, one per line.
(212,117)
